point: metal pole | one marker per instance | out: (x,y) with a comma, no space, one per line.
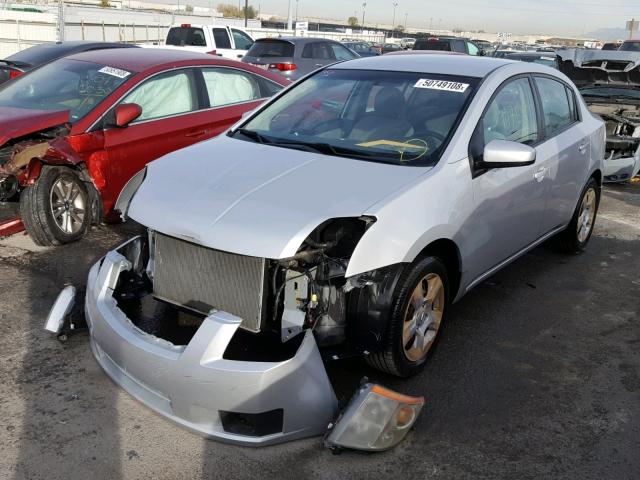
(296,11)
(246,12)
(393,23)
(364,6)
(405,21)
(289,18)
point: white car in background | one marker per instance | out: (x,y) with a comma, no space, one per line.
(221,40)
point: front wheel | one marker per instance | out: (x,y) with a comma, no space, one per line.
(55,209)
(416,318)
(575,237)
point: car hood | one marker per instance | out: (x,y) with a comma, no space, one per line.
(590,68)
(255,199)
(18,122)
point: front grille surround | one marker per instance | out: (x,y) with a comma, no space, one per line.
(204,279)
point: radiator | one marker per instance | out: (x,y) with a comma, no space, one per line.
(203,279)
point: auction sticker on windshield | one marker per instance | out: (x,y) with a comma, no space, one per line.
(115,72)
(441,85)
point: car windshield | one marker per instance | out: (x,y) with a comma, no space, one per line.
(611,92)
(73,85)
(391,117)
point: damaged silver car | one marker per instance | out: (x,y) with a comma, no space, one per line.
(610,84)
(341,218)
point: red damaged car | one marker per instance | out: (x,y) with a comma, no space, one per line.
(73,132)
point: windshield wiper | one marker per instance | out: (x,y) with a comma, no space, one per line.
(253,135)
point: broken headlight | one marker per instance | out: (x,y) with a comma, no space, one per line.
(376,419)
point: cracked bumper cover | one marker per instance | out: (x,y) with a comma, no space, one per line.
(191,385)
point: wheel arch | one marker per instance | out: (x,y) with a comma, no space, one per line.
(446,250)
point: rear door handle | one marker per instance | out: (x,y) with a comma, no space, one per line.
(583,147)
(196,134)
(540,174)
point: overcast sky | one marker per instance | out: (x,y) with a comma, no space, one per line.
(569,17)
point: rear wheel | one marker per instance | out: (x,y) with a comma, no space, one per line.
(575,237)
(56,208)
(416,319)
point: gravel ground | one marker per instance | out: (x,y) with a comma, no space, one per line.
(537,375)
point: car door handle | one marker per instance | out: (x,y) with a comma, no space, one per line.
(540,174)
(583,147)
(196,134)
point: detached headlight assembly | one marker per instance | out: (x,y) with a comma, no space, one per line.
(375,419)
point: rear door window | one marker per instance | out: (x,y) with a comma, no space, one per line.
(221,37)
(556,108)
(186,36)
(271,48)
(459,46)
(241,39)
(317,50)
(226,86)
(472,49)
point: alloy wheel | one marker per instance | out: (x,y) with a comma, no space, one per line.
(68,205)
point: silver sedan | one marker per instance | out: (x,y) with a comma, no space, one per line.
(342,217)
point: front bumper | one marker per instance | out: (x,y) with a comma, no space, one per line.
(193,384)
(621,169)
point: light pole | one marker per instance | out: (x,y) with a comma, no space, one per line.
(431,24)
(393,23)
(364,6)
(246,11)
(289,19)
(296,11)
(405,21)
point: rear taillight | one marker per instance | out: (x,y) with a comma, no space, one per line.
(284,67)
(433,39)
(14,73)
(212,52)
(185,25)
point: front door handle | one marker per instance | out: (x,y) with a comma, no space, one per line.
(196,134)
(540,174)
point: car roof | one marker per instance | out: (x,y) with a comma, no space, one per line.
(531,54)
(298,40)
(45,52)
(463,65)
(139,59)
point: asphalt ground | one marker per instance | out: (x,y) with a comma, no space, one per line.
(537,375)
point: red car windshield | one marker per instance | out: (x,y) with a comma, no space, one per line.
(65,84)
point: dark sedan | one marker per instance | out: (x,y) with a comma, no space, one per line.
(30,58)
(362,48)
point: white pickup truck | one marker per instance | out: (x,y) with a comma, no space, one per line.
(222,40)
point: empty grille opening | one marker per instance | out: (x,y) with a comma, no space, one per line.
(265,346)
(618,66)
(155,317)
(253,424)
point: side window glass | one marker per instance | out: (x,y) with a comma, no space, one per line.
(221,37)
(226,86)
(317,50)
(511,114)
(460,46)
(341,53)
(241,39)
(555,105)
(473,50)
(164,95)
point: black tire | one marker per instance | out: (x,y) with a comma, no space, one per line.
(569,240)
(36,208)
(392,357)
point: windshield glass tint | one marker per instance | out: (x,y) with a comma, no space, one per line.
(630,47)
(392,117)
(64,85)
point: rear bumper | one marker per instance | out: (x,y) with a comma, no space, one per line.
(192,385)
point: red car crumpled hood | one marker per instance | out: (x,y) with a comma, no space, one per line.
(17,122)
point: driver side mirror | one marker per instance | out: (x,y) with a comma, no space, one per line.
(505,154)
(125,113)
